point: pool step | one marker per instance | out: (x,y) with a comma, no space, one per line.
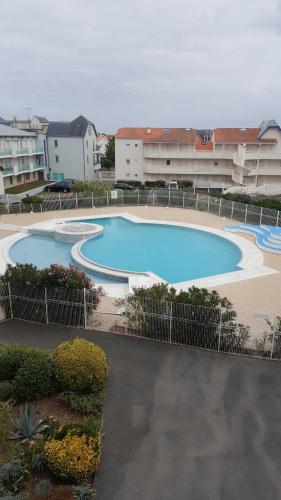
(268,238)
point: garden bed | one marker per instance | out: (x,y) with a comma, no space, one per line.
(50,420)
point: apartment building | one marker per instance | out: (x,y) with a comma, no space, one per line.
(218,158)
(102,141)
(72,150)
(21,156)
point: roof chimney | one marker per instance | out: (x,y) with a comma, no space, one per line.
(148,130)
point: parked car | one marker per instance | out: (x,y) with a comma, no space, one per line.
(60,187)
(123,185)
(172,185)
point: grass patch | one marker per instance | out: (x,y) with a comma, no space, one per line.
(25,187)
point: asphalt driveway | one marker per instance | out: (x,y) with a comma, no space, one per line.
(181,424)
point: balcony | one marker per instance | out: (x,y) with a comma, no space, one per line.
(38,166)
(188,170)
(6,153)
(23,168)
(192,154)
(22,152)
(38,151)
(8,171)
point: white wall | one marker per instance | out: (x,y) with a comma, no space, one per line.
(132,150)
(71,156)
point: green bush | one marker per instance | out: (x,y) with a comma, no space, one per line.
(88,427)
(34,200)
(21,274)
(80,366)
(135,184)
(98,188)
(155,184)
(12,475)
(12,357)
(83,492)
(6,390)
(87,404)
(34,379)
(43,486)
(67,277)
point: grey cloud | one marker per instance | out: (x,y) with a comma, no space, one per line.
(165,63)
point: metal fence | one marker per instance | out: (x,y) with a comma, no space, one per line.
(200,327)
(242,212)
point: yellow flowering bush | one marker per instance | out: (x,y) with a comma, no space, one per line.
(80,366)
(74,457)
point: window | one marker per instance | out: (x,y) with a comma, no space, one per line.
(128,162)
(57,159)
(168,162)
(136,145)
(128,145)
(216,163)
(136,175)
(87,144)
(127,175)
(56,143)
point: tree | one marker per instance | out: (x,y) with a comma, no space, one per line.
(108,160)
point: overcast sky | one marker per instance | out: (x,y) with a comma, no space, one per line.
(170,63)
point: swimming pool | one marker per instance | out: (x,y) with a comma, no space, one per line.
(175,254)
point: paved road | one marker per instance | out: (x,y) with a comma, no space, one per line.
(180,424)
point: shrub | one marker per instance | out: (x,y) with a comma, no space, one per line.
(29,425)
(43,487)
(67,277)
(135,184)
(80,366)
(83,492)
(98,188)
(32,200)
(155,184)
(88,427)
(6,390)
(87,404)
(21,274)
(5,416)
(34,378)
(12,358)
(74,457)
(12,475)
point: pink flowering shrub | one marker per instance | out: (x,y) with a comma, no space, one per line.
(53,276)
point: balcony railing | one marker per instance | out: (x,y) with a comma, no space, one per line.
(37,166)
(8,152)
(24,168)
(8,171)
(38,151)
(22,151)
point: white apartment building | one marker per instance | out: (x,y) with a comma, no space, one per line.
(102,140)
(72,150)
(21,156)
(218,158)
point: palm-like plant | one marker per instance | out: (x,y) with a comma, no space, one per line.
(29,425)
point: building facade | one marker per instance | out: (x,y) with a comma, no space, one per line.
(72,150)
(21,156)
(218,158)
(102,141)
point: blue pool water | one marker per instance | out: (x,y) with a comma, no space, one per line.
(174,253)
(43,251)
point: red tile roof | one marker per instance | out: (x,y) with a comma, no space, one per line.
(172,135)
(236,135)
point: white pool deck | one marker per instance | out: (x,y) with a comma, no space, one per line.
(256,287)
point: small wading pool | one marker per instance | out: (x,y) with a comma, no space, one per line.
(173,253)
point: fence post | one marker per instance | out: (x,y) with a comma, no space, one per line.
(152,196)
(20,207)
(183,196)
(76,200)
(171,322)
(10,300)
(92,200)
(8,207)
(107,200)
(169,200)
(60,201)
(122,198)
(220,207)
(261,214)
(208,208)
(277,219)
(138,196)
(41,207)
(196,204)
(85,308)
(220,328)
(46,306)
(246,213)
(31,206)
(232,207)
